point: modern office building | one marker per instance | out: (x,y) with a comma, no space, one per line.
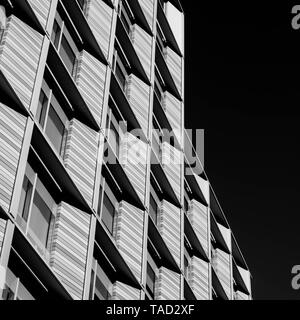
(97,199)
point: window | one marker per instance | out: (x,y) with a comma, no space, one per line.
(81,4)
(14,289)
(120,63)
(116,125)
(37,210)
(186,202)
(159,86)
(187,257)
(126,16)
(2,21)
(150,283)
(65,43)
(157,138)
(103,285)
(108,206)
(108,213)
(153,209)
(153,263)
(160,39)
(52,119)
(102,276)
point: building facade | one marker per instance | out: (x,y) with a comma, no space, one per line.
(102,195)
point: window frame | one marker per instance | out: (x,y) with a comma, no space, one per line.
(157,200)
(126,16)
(120,61)
(52,102)
(38,187)
(114,197)
(71,35)
(115,119)
(187,257)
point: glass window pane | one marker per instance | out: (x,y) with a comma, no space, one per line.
(108,213)
(103,285)
(55,34)
(42,108)
(114,139)
(153,209)
(120,76)
(67,54)
(40,220)
(26,194)
(150,280)
(81,3)
(55,130)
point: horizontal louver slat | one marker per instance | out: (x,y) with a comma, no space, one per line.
(199,278)
(167,285)
(19,57)
(133,157)
(169,227)
(81,157)
(129,236)
(69,248)
(175,65)
(41,8)
(198,216)
(221,263)
(99,16)
(148,9)
(90,80)
(171,163)
(142,43)
(173,109)
(138,94)
(122,291)
(12,128)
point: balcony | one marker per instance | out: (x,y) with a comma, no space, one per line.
(31,257)
(167,31)
(82,26)
(68,85)
(108,246)
(166,257)
(124,38)
(166,74)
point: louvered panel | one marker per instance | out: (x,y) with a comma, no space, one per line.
(173,109)
(198,216)
(81,157)
(169,228)
(133,157)
(41,8)
(148,9)
(167,286)
(19,58)
(138,95)
(199,278)
(2,233)
(69,248)
(221,263)
(91,79)
(122,291)
(99,16)
(171,162)
(175,65)
(129,237)
(238,295)
(12,128)
(142,43)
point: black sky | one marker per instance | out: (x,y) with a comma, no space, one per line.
(243,88)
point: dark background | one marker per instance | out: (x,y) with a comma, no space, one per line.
(243,88)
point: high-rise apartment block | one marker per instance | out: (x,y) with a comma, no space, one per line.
(102,195)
